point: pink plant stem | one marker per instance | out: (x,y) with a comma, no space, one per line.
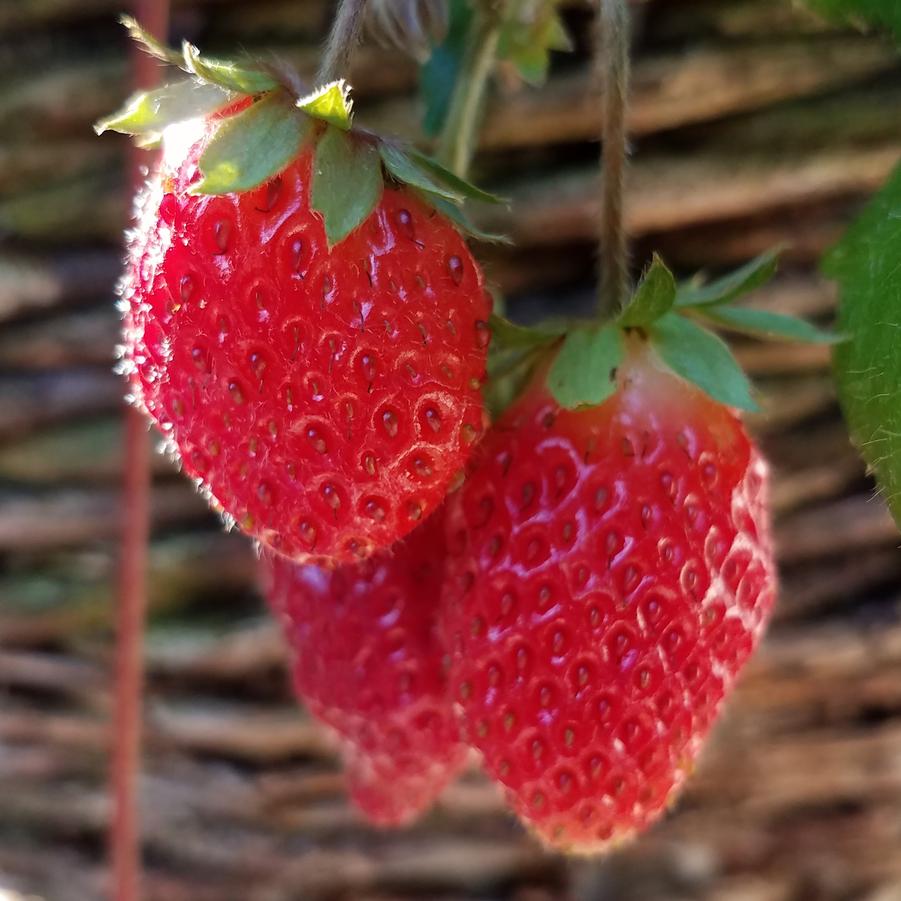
(124,836)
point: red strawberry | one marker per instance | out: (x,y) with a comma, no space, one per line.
(323,397)
(609,572)
(366,664)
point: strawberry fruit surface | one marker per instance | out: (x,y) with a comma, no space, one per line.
(609,572)
(323,397)
(366,663)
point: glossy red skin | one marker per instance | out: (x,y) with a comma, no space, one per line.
(609,572)
(366,663)
(324,400)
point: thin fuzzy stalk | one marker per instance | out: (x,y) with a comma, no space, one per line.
(457,144)
(342,41)
(131,589)
(613,56)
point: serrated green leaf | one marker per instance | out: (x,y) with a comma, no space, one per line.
(764,324)
(461,220)
(226,73)
(702,358)
(722,290)
(149,112)
(331,103)
(509,334)
(868,364)
(157,49)
(584,370)
(881,13)
(251,147)
(399,164)
(458,185)
(654,296)
(347,182)
(439,75)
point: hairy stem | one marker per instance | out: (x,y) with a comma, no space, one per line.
(342,41)
(613,53)
(457,143)
(131,590)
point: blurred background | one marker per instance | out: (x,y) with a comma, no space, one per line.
(754,124)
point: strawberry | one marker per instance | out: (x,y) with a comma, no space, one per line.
(303,324)
(610,569)
(366,664)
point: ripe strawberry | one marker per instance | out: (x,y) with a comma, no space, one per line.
(609,571)
(366,664)
(324,398)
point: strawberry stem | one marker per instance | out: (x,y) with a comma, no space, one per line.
(124,831)
(457,144)
(342,41)
(613,52)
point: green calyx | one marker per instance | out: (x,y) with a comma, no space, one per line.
(677,319)
(265,126)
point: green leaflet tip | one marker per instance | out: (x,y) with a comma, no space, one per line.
(331,104)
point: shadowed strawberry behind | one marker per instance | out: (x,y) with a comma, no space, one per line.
(609,572)
(366,663)
(324,398)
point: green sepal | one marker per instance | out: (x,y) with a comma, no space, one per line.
(149,44)
(764,324)
(401,167)
(331,104)
(347,182)
(149,112)
(251,147)
(702,358)
(722,290)
(511,335)
(458,185)
(584,371)
(461,220)
(226,73)
(654,296)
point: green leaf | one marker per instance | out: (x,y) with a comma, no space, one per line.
(881,13)
(461,220)
(251,147)
(331,103)
(764,324)
(226,73)
(868,364)
(439,75)
(347,182)
(149,43)
(654,296)
(509,334)
(399,164)
(149,112)
(584,370)
(747,278)
(702,358)
(529,35)
(458,185)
